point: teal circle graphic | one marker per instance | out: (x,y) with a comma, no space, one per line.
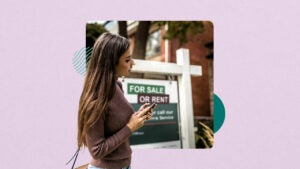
(80,59)
(219,113)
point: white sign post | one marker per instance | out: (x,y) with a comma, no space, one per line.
(184,71)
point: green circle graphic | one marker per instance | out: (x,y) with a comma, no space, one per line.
(219,113)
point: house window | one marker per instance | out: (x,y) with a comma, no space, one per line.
(154,44)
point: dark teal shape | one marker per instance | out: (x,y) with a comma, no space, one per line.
(219,113)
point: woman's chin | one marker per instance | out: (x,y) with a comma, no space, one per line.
(126,74)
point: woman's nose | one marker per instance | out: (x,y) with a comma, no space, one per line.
(132,63)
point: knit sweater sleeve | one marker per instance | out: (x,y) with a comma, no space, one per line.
(99,145)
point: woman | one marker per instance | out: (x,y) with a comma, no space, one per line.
(106,120)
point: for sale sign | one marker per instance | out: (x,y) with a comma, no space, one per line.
(162,130)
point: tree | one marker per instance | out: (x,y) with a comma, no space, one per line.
(140,41)
(93,31)
(181,30)
(141,37)
(122,25)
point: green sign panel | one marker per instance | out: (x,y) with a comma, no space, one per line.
(134,88)
(162,127)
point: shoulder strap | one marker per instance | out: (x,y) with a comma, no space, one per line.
(75,155)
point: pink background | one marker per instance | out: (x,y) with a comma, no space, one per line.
(256,75)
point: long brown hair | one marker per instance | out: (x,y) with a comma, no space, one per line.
(100,80)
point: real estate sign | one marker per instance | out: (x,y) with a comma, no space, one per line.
(162,131)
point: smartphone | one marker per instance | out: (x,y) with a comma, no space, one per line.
(153,105)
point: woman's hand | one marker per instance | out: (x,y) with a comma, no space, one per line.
(143,107)
(149,112)
(138,118)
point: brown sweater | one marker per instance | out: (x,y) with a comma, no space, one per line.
(108,140)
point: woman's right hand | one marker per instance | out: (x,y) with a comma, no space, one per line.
(138,118)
